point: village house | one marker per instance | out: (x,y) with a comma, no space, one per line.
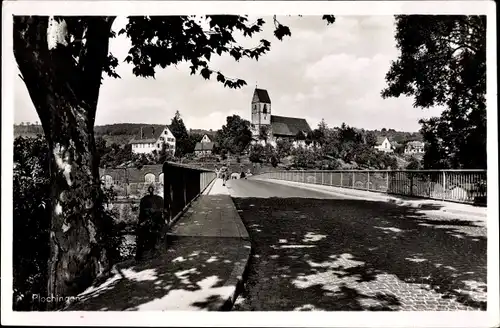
(383,144)
(151,138)
(277,127)
(204,147)
(414,147)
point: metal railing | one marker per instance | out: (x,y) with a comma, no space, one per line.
(462,186)
(182,184)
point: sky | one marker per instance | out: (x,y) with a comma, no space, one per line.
(333,72)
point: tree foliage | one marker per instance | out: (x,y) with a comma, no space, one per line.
(256,153)
(371,139)
(322,126)
(161,41)
(283,148)
(442,62)
(113,155)
(31,221)
(300,136)
(352,145)
(414,164)
(235,135)
(274,161)
(305,158)
(264,133)
(182,140)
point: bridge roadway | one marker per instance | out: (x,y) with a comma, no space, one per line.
(319,251)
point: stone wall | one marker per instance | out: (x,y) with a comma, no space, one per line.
(130,185)
(130,175)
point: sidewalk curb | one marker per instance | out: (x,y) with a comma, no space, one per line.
(383,198)
(238,275)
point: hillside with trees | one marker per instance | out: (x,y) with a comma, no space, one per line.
(119,133)
(341,147)
(234,138)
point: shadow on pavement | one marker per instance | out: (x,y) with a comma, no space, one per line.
(343,254)
(185,276)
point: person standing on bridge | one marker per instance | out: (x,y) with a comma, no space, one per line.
(150,225)
(224,173)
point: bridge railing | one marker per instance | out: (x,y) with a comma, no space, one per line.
(462,186)
(182,184)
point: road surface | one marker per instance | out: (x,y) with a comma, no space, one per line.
(314,251)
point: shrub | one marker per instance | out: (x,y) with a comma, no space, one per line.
(274,161)
(414,164)
(31,221)
(305,158)
(256,153)
(223,154)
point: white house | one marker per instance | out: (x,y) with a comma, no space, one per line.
(383,144)
(204,147)
(414,147)
(205,139)
(151,138)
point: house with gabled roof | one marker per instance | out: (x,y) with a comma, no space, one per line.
(414,147)
(151,138)
(277,127)
(383,144)
(204,147)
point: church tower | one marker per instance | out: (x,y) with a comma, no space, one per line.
(261,111)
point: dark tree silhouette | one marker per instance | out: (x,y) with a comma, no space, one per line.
(182,141)
(442,61)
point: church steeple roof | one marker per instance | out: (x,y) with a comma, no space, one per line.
(261,95)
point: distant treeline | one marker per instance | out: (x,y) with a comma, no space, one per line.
(399,136)
(27,130)
(124,132)
(130,129)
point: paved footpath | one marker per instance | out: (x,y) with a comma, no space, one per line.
(313,250)
(200,268)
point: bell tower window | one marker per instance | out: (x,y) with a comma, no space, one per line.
(265,109)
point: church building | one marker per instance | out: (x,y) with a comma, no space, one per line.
(277,127)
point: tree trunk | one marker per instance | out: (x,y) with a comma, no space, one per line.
(64,92)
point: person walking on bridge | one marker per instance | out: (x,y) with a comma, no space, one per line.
(224,171)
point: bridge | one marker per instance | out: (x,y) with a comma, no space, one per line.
(298,240)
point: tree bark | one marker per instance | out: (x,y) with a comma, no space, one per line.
(64,91)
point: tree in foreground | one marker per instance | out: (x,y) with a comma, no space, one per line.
(442,62)
(61,60)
